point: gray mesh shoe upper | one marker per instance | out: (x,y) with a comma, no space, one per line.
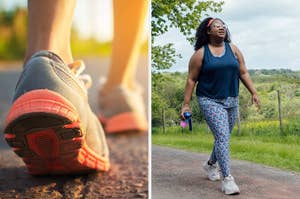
(45,70)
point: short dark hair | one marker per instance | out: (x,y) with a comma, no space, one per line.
(202,37)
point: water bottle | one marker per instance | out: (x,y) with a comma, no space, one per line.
(188,119)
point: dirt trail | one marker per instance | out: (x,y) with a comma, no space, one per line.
(179,174)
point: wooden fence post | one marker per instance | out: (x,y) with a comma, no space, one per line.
(279,111)
(164,120)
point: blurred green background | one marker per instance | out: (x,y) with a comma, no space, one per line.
(13,36)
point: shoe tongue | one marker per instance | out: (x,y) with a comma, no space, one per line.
(77,67)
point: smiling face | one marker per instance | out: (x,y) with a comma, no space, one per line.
(217,29)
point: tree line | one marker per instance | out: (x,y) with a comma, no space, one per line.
(168,92)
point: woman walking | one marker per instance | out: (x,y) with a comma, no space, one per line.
(217,65)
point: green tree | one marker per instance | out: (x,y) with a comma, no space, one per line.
(184,15)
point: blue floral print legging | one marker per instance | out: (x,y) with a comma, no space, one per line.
(220,116)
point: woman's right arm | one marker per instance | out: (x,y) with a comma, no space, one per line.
(194,70)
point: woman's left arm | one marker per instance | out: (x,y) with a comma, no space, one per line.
(245,77)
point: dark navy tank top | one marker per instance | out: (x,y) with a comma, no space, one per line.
(219,76)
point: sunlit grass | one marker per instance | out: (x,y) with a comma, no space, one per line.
(259,142)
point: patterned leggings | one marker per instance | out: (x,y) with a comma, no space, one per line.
(221,118)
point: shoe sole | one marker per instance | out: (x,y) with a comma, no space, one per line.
(124,122)
(44,129)
(231,193)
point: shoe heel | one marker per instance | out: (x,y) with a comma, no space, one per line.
(125,122)
(43,128)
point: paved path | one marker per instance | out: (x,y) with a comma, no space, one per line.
(179,174)
(127,178)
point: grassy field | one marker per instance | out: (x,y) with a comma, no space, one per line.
(260,142)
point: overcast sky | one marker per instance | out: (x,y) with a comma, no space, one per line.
(267,33)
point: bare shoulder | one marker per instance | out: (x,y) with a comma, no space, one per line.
(239,56)
(197,57)
(235,49)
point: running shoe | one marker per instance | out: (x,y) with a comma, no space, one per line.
(122,110)
(212,171)
(229,186)
(50,124)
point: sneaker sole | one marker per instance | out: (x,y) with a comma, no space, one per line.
(232,193)
(44,129)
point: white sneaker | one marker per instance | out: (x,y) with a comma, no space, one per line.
(229,187)
(212,171)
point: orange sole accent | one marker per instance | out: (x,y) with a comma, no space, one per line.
(102,119)
(125,122)
(43,128)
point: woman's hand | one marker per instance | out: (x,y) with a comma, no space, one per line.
(185,108)
(255,100)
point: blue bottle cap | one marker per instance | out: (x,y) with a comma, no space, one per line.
(187,115)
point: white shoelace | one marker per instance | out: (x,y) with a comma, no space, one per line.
(78,67)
